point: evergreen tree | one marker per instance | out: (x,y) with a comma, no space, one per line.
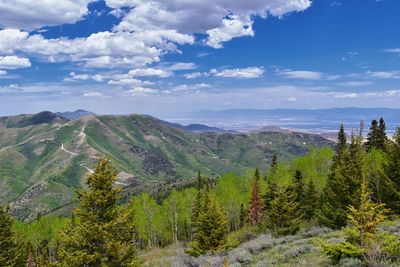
(274,161)
(341,189)
(362,240)
(310,202)
(101,235)
(10,252)
(382,136)
(197,203)
(255,205)
(30,262)
(212,228)
(389,189)
(284,215)
(242,216)
(269,196)
(373,136)
(299,187)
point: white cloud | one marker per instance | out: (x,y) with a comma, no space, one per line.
(250,72)
(34,14)
(3,72)
(139,91)
(94,94)
(14,62)
(384,74)
(392,50)
(182,66)
(150,72)
(83,77)
(220,19)
(232,27)
(123,81)
(193,75)
(355,83)
(99,50)
(301,74)
(190,87)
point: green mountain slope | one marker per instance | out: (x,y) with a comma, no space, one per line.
(44,157)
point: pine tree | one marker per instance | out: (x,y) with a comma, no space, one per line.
(382,136)
(274,161)
(197,204)
(101,235)
(212,228)
(299,187)
(255,205)
(341,189)
(373,136)
(10,252)
(284,214)
(362,240)
(269,196)
(242,217)
(388,190)
(310,202)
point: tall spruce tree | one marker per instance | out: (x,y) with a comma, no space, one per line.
(212,228)
(255,205)
(243,216)
(283,217)
(10,252)
(390,186)
(299,187)
(101,234)
(197,205)
(310,202)
(382,136)
(341,190)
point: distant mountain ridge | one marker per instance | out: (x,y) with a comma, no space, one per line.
(77,114)
(41,165)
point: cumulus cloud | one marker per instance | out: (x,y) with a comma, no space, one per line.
(14,62)
(140,91)
(34,14)
(246,73)
(193,75)
(83,77)
(99,50)
(355,83)
(221,20)
(3,72)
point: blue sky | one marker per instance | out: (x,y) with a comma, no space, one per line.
(167,58)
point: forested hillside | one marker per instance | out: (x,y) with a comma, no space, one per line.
(45,157)
(324,208)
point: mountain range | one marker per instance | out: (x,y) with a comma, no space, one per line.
(44,157)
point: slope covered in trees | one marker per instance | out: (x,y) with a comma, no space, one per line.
(306,198)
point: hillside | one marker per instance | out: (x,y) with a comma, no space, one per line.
(44,157)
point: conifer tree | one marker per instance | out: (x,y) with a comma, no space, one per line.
(284,214)
(310,202)
(274,161)
(269,196)
(382,136)
(338,194)
(373,136)
(362,240)
(10,252)
(255,205)
(299,187)
(30,262)
(101,235)
(212,228)
(242,219)
(389,192)
(197,203)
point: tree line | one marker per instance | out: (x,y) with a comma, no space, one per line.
(357,186)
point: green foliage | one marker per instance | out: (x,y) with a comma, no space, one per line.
(101,235)
(10,250)
(211,228)
(342,188)
(283,216)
